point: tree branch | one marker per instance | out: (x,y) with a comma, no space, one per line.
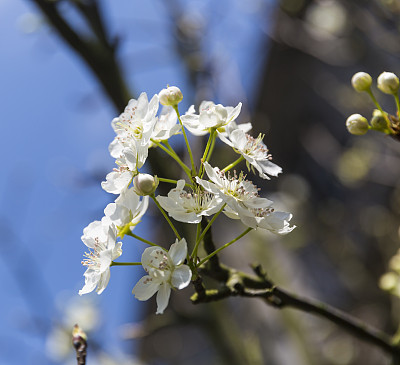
(98,53)
(238,283)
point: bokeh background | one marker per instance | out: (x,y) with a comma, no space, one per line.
(68,67)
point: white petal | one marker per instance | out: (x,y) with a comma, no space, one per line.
(116,181)
(235,112)
(163,298)
(103,282)
(149,255)
(145,288)
(181,277)
(91,279)
(178,251)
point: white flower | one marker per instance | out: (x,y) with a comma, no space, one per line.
(165,271)
(128,208)
(267,218)
(134,128)
(189,207)
(253,150)
(117,180)
(224,131)
(166,125)
(211,116)
(239,194)
(100,237)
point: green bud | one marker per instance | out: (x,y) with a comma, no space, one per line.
(357,124)
(172,95)
(145,184)
(388,83)
(361,81)
(379,122)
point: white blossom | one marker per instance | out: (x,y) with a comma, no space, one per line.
(100,237)
(165,270)
(134,128)
(243,202)
(128,208)
(166,125)
(264,218)
(238,193)
(189,207)
(253,150)
(210,116)
(119,179)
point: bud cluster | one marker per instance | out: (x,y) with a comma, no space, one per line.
(380,121)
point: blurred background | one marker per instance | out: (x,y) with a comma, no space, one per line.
(69,66)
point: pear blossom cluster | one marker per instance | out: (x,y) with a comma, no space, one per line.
(202,192)
(381,121)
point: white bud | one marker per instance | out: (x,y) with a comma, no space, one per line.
(172,95)
(145,184)
(388,83)
(357,124)
(361,81)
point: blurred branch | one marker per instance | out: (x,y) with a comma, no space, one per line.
(98,52)
(237,283)
(79,341)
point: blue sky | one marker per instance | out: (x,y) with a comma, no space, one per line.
(54,135)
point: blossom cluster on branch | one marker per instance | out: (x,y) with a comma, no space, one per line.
(205,192)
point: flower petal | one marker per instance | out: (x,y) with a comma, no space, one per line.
(145,288)
(103,282)
(181,277)
(178,251)
(163,298)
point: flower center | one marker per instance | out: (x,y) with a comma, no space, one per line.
(197,201)
(92,258)
(234,186)
(256,148)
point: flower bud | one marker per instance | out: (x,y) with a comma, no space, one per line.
(145,184)
(379,122)
(388,83)
(172,95)
(357,124)
(388,281)
(361,81)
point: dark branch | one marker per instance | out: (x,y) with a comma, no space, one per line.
(241,284)
(98,53)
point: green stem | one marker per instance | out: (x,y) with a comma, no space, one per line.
(206,151)
(212,147)
(198,230)
(186,139)
(369,92)
(140,238)
(233,164)
(207,228)
(113,263)
(173,154)
(223,247)
(396,97)
(173,181)
(166,217)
